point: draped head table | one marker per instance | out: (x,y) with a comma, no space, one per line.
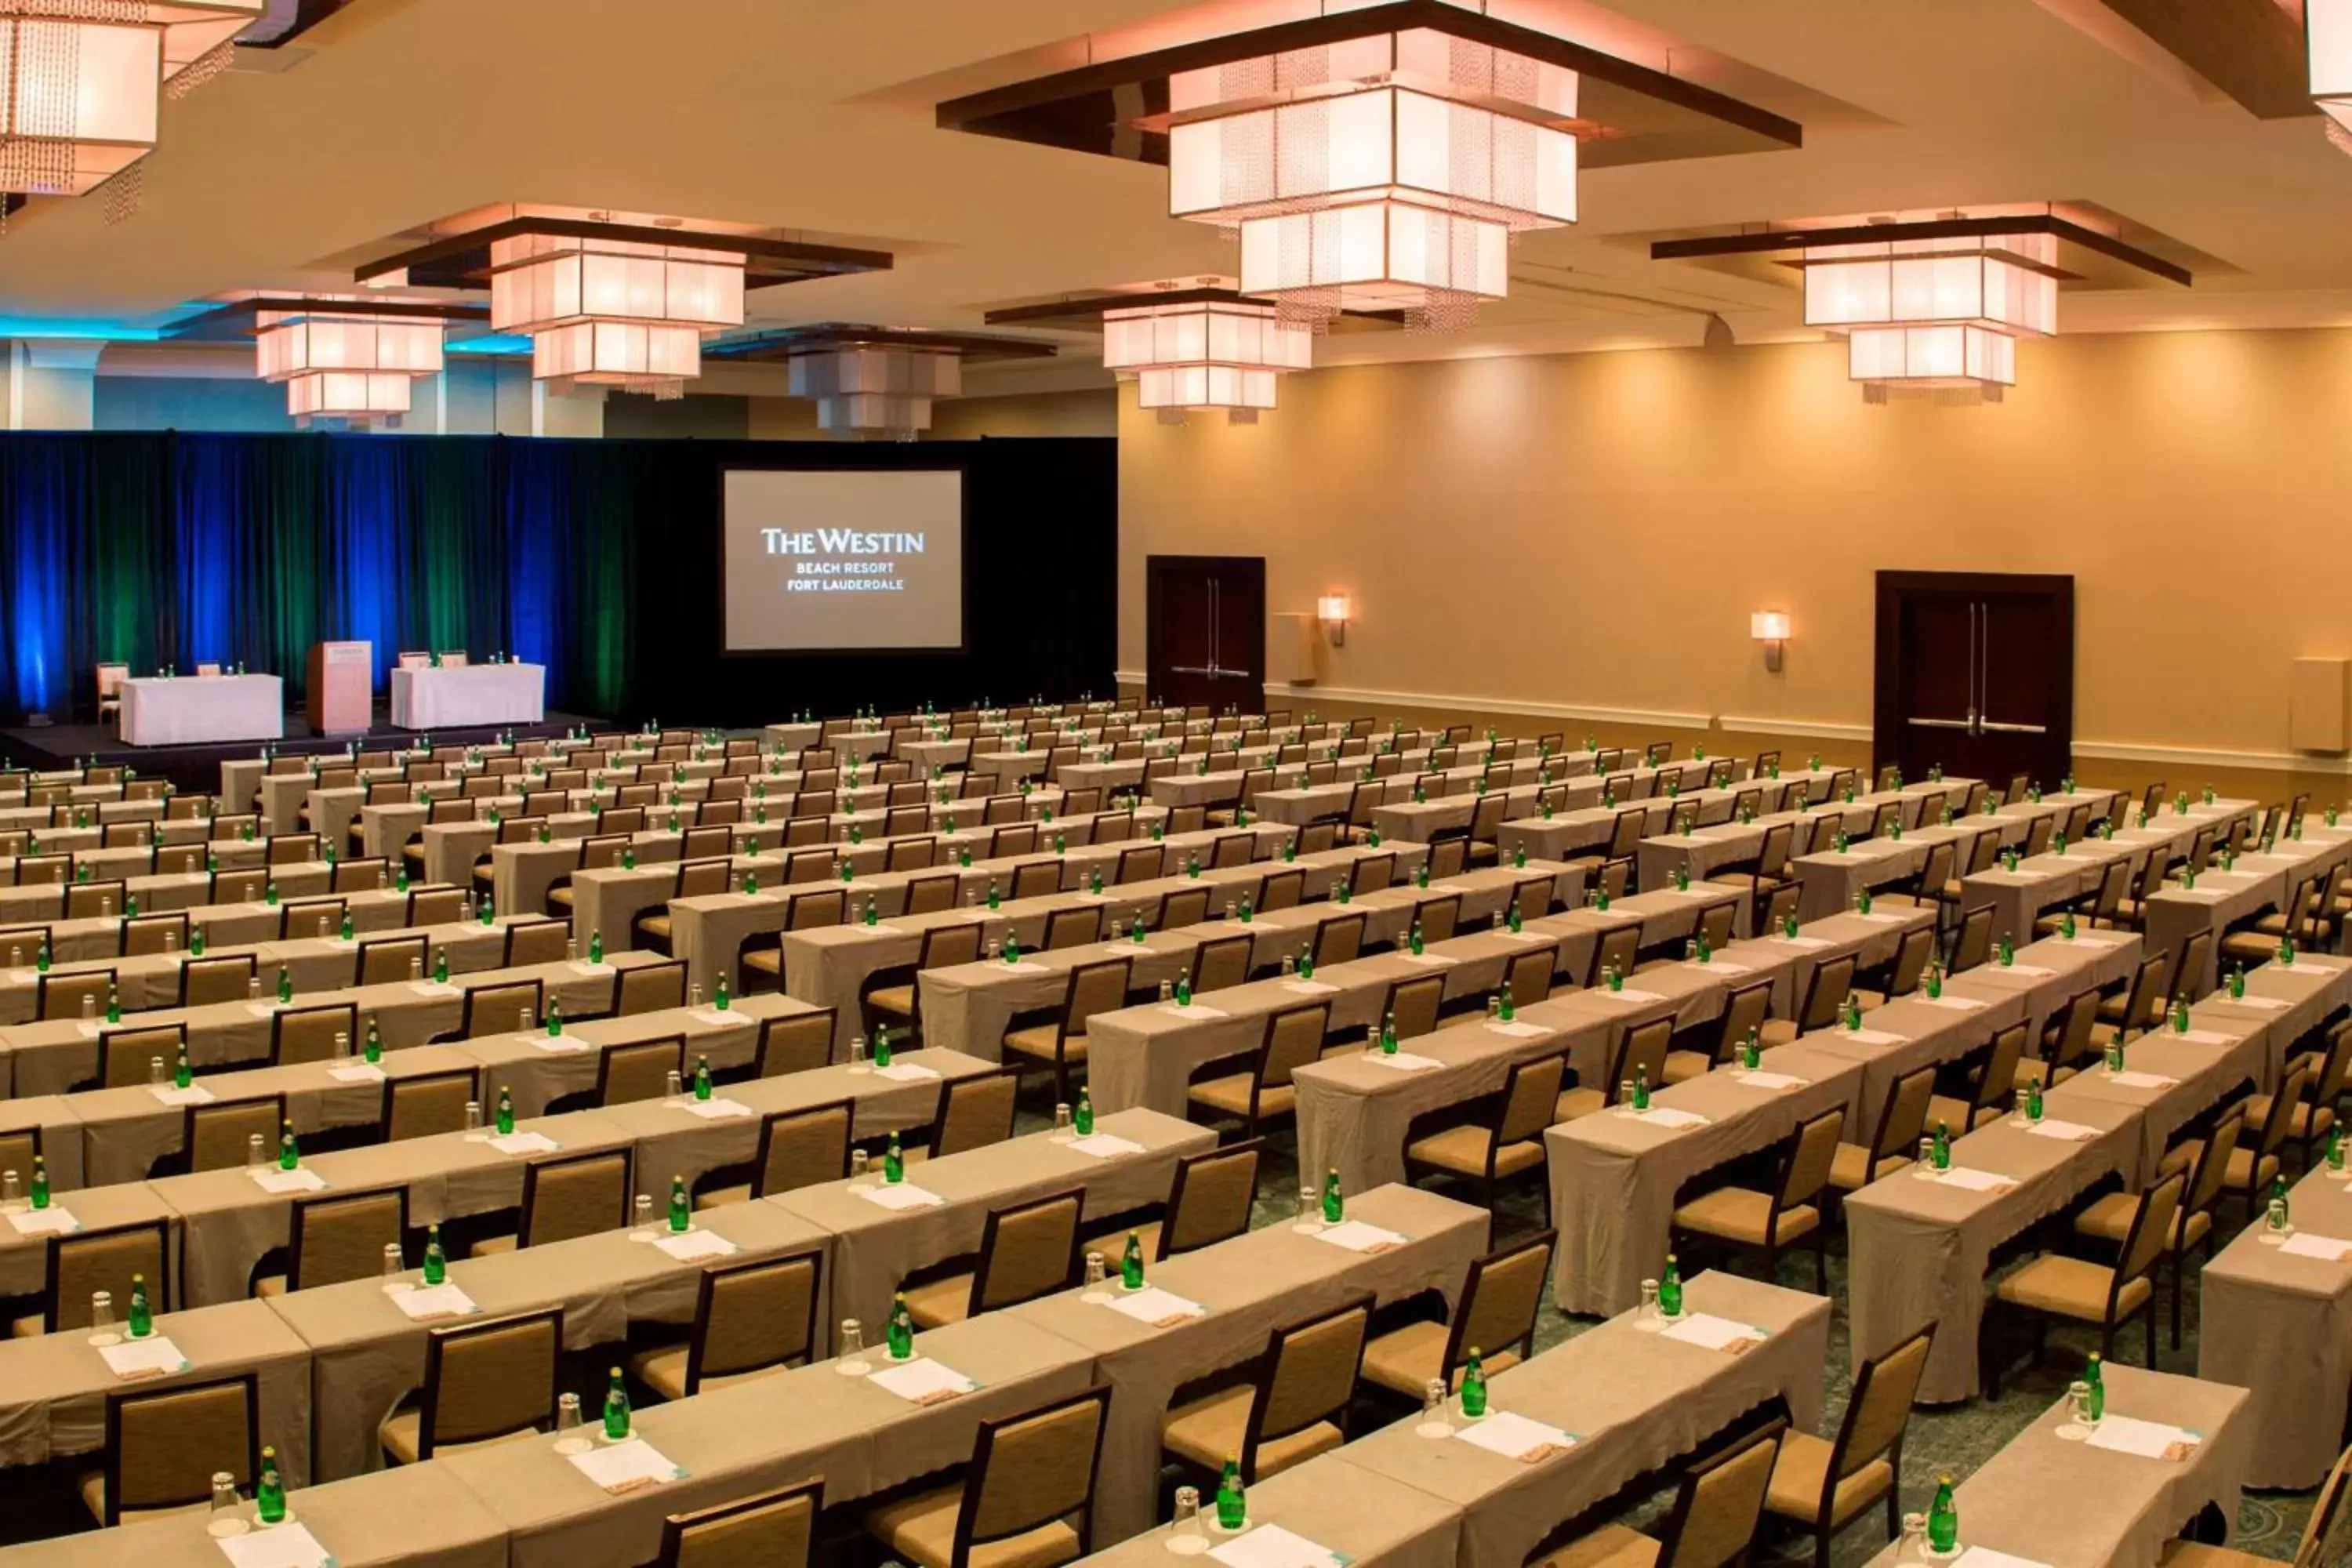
(468,694)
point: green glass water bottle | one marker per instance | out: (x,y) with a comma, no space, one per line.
(2180,1014)
(1334,1208)
(2237,982)
(1474,1386)
(681,1209)
(285,982)
(1011,947)
(899,1332)
(1852,1011)
(719,997)
(113,1004)
(506,1110)
(1751,1050)
(182,1075)
(1504,1010)
(143,1313)
(1130,1263)
(441,967)
(1413,940)
(1307,962)
(1640,1089)
(489,915)
(289,1153)
(894,1162)
(1670,1289)
(1082,1117)
(1183,988)
(1944,1519)
(1388,1035)
(616,1408)
(2033,1100)
(40,1189)
(1942,1148)
(1512,919)
(702,1078)
(2095,1407)
(269,1491)
(436,1262)
(1233,1507)
(882,1045)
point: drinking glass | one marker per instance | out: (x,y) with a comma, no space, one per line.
(1185,1537)
(860,1163)
(89,1007)
(1062,1132)
(394,1266)
(227,1518)
(2077,1425)
(101,1319)
(2024,1114)
(1289,966)
(694,994)
(253,1154)
(1926,1168)
(1625,1097)
(641,1217)
(569,1438)
(857,1054)
(12,1190)
(850,1360)
(2275,1228)
(673,1085)
(155,1070)
(415,970)
(1310,1210)
(1650,1321)
(1097,1271)
(1433,1423)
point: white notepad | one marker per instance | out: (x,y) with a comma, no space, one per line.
(899,1196)
(358,1072)
(2326,1248)
(1627,994)
(300,1179)
(1719,966)
(716,1109)
(1871,1037)
(287,1545)
(195,1094)
(1157,1307)
(2143,1080)
(2147,1439)
(1106,1145)
(923,1381)
(1308,988)
(1197,1010)
(1358,1237)
(1515,1437)
(1969,1180)
(1956,1003)
(2202,1037)
(525,1144)
(1668,1116)
(1403,1062)
(696,1245)
(1516,1030)
(1271,1546)
(2065,1131)
(907,1072)
(1709,1333)
(50,1221)
(154,1356)
(1985,1557)
(560,1045)
(625,1466)
(1772,1081)
(430,1303)
(1805,941)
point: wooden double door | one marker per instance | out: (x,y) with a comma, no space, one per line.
(1976,673)
(1204,631)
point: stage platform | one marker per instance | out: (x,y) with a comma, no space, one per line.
(50,746)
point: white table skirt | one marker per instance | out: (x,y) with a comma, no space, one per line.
(468,694)
(192,709)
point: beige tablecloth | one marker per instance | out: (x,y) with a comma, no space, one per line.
(2281,1328)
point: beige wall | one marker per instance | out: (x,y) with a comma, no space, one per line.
(1590,533)
(1092,412)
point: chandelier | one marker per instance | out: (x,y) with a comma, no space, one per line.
(1388,172)
(1934,313)
(81,82)
(1204,354)
(345,363)
(613,312)
(872,390)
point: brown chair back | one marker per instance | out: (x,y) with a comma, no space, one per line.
(1308,1376)
(1500,1304)
(341,1236)
(91,1260)
(1211,1199)
(426,1106)
(314,1034)
(536,942)
(802,1148)
(639,1070)
(649,987)
(500,1009)
(579,1195)
(1028,1250)
(385,961)
(216,1136)
(753,1315)
(163,1446)
(1029,1471)
(127,1057)
(487,1380)
(1720,1502)
(974,1112)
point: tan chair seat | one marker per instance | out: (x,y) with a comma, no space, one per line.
(2192,1554)
(1463,1151)
(766,960)
(1036,1042)
(2110,1220)
(1404,1360)
(1683,1066)
(485,876)
(560,897)
(1232,1096)
(2249,948)
(1205,1431)
(897,999)
(1777,1031)
(939,1303)
(495,1243)
(1610,1546)
(401,1431)
(655,925)
(2298,1121)
(1735,1214)
(269,1285)
(663,1369)
(1850,1168)
(1803,1471)
(2070,1287)
(93,1497)
(1959,1115)
(719,1197)
(1574,1103)
(922,1530)
(26,1328)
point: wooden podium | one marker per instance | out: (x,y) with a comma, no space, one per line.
(343,687)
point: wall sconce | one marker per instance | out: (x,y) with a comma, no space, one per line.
(1332,609)
(1770,627)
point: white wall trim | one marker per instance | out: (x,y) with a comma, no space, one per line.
(1812,729)
(2192,757)
(1298,693)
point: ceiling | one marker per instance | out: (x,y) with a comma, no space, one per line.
(816,117)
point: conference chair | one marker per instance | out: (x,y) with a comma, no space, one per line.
(1495,1315)
(1026,1499)
(1055,1045)
(802,1148)
(1740,1219)
(1641,1052)
(578,1195)
(973,1112)
(317,1034)
(1506,1142)
(1717,1512)
(2110,1218)
(1825,1487)
(650,988)
(163,1446)
(93,1259)
(484,1383)
(1990,1074)
(1026,1250)
(751,1319)
(1263,1092)
(1209,1202)
(2105,1297)
(129,1056)
(893,998)
(337,1237)
(1293,1406)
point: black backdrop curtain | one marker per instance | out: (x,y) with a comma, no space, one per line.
(600,559)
